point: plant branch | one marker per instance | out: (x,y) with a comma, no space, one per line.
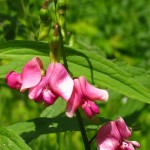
(83,132)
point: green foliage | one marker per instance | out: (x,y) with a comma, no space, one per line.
(10,140)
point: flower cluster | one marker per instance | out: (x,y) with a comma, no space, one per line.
(113,136)
(48,86)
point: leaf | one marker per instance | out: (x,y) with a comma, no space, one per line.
(54,110)
(10,140)
(34,128)
(98,70)
(38,126)
(129,108)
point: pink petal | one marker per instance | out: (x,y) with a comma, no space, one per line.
(75,100)
(59,80)
(88,111)
(90,108)
(108,137)
(123,129)
(92,93)
(135,144)
(31,73)
(126,146)
(49,97)
(36,92)
(94,107)
(13,80)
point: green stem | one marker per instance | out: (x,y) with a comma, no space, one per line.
(83,132)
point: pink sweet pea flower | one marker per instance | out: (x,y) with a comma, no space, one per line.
(113,136)
(83,95)
(57,82)
(30,76)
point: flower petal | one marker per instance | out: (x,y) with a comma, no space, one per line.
(123,128)
(90,108)
(31,73)
(59,80)
(135,144)
(49,97)
(108,137)
(36,92)
(13,80)
(75,100)
(126,145)
(92,93)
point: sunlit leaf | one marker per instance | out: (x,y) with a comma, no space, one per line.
(10,140)
(97,69)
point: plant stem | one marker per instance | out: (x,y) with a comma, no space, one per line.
(83,132)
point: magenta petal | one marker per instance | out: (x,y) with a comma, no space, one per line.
(91,92)
(36,92)
(13,80)
(135,144)
(108,137)
(126,146)
(90,108)
(49,97)
(59,80)
(123,129)
(94,107)
(31,73)
(75,100)
(88,111)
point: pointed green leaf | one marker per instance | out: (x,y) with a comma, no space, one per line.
(10,140)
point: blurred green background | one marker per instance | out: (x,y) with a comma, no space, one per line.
(116,29)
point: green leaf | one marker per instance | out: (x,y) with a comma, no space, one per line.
(38,126)
(34,128)
(54,110)
(10,140)
(98,70)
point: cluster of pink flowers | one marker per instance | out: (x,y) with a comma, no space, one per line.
(47,87)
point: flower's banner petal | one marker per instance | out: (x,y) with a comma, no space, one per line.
(36,92)
(91,92)
(31,73)
(123,128)
(97,69)
(59,80)
(108,144)
(49,97)
(11,140)
(13,80)
(108,137)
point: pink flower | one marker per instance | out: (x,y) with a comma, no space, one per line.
(83,95)
(113,136)
(57,81)
(30,76)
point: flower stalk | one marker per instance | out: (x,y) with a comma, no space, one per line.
(83,132)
